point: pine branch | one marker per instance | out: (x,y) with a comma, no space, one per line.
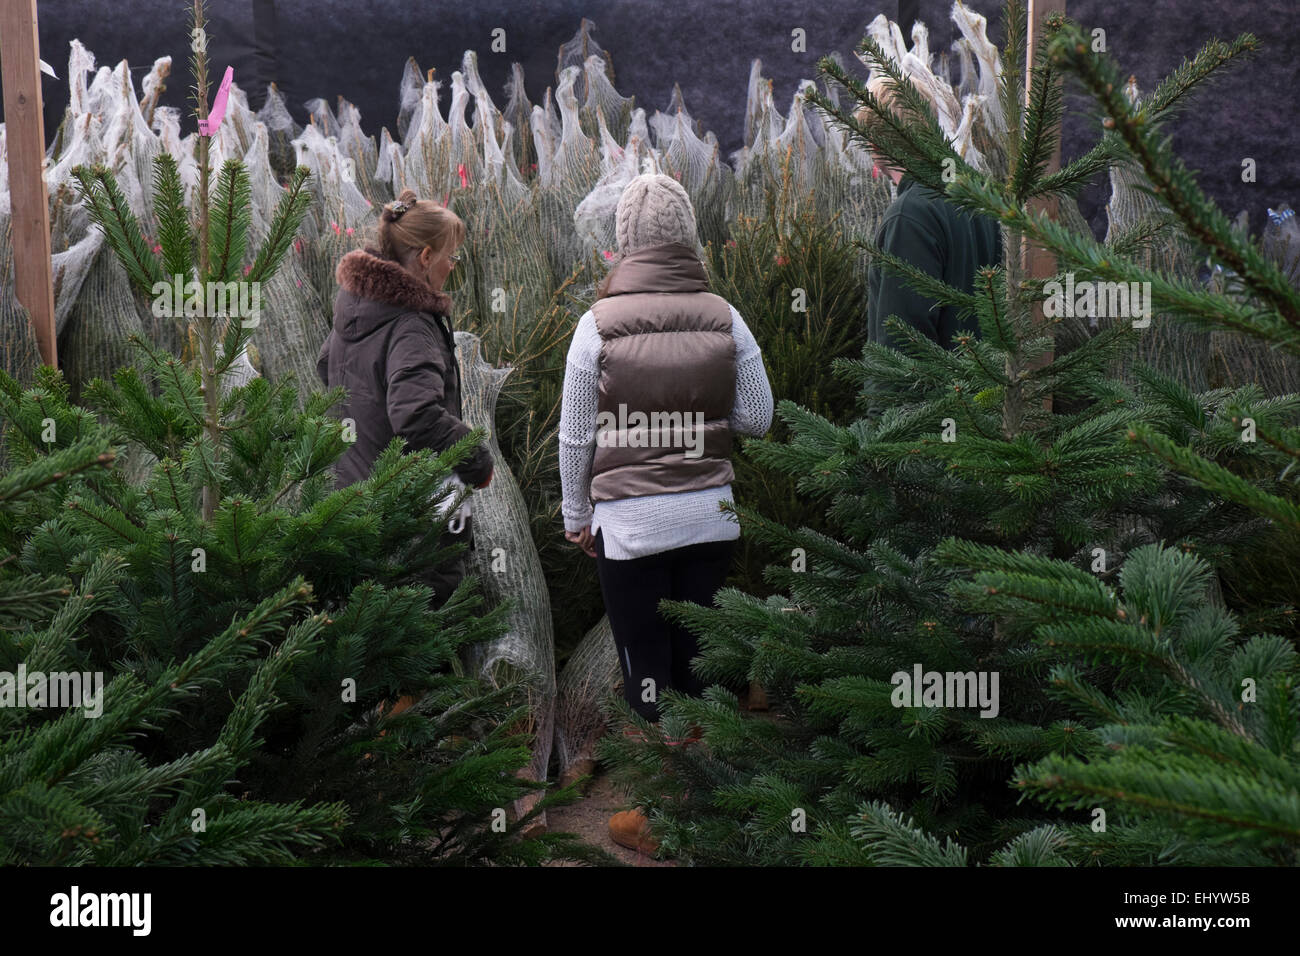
(60,464)
(1245,805)
(175,234)
(230,222)
(289,214)
(1070,179)
(1042,123)
(1011,82)
(1170,179)
(1090,259)
(1218,479)
(922,281)
(107,207)
(894,841)
(1174,89)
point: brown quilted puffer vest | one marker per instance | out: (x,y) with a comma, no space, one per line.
(667,378)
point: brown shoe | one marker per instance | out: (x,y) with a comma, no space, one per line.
(631,829)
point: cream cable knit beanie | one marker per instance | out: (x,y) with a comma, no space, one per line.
(653,210)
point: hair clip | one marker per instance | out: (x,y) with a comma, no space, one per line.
(399,207)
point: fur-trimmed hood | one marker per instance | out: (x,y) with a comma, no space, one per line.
(373,291)
(393,352)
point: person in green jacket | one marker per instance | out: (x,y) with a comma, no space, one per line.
(929,232)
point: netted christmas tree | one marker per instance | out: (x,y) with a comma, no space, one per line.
(1014,440)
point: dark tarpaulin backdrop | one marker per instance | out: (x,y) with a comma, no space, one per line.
(330,48)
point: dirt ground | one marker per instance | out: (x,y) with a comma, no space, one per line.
(589,819)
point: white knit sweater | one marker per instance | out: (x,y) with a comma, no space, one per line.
(635,527)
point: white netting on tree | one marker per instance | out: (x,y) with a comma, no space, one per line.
(483,103)
(577,50)
(507,564)
(503,275)
(304,289)
(695,163)
(544,125)
(410,97)
(566,179)
(465,163)
(100,90)
(389,153)
(281,130)
(604,101)
(594,219)
(296,317)
(93,338)
(19,355)
(976,138)
(321,115)
(422,161)
(70,268)
(263,186)
(129,142)
(518,113)
(757,163)
(153,85)
(499,167)
(590,678)
(337,197)
(84,145)
(80,62)
(359,155)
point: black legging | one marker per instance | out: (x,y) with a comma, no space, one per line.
(648,646)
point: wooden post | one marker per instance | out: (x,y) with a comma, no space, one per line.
(1038,262)
(25,134)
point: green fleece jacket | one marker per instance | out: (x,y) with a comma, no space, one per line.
(922,227)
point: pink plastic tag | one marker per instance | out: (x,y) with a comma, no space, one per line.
(209,126)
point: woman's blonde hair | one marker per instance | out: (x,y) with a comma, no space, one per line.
(403,233)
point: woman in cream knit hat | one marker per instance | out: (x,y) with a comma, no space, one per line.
(660,375)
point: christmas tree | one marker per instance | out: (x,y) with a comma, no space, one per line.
(246,658)
(1187,702)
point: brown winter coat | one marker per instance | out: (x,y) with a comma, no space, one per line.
(392,349)
(666,347)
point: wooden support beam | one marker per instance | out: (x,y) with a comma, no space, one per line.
(20,75)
